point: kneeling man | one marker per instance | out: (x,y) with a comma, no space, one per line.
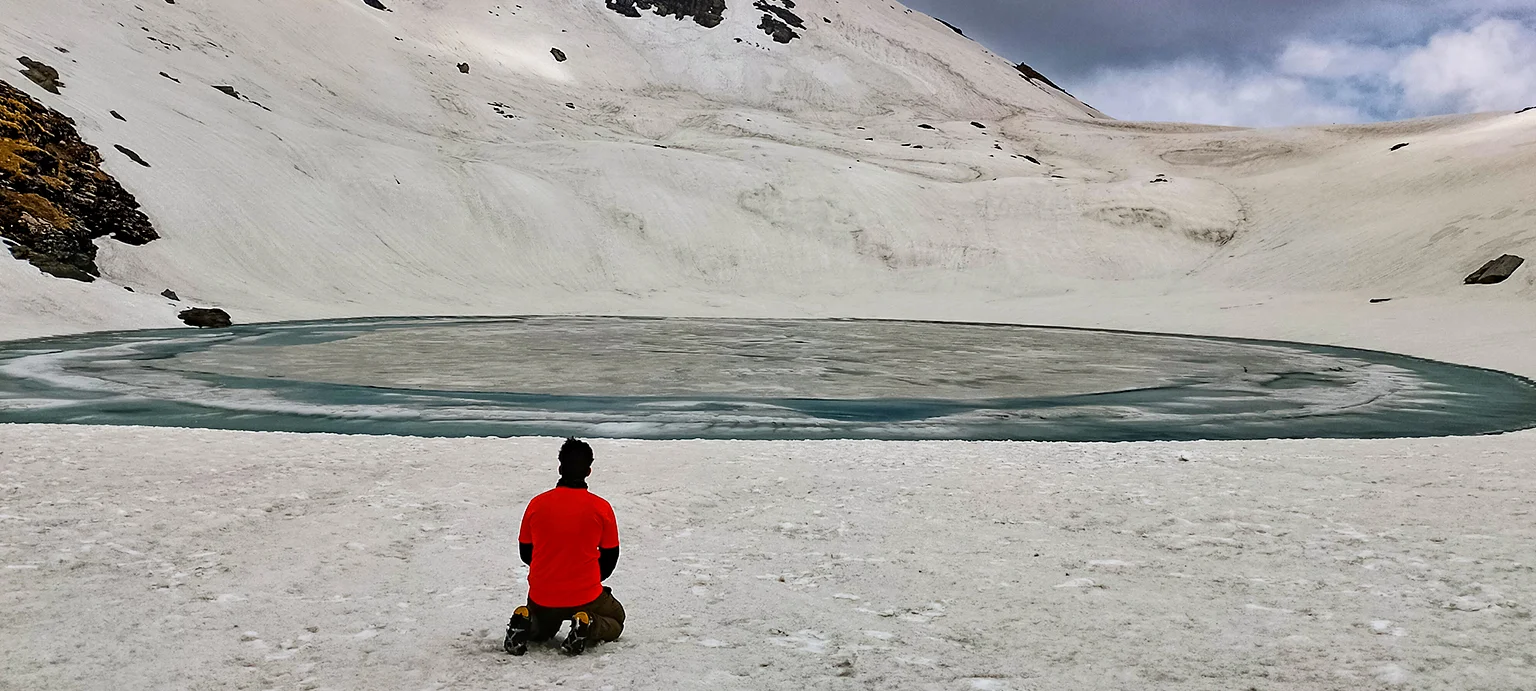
(570,542)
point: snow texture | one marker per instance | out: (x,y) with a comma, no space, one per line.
(144,558)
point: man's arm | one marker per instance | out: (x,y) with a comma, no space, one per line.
(525,550)
(607,560)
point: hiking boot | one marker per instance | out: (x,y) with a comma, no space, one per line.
(581,630)
(519,630)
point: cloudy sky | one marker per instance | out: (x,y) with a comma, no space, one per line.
(1267,62)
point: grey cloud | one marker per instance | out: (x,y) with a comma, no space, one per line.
(1267,62)
(1071,39)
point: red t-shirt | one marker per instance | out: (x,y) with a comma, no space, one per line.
(566,527)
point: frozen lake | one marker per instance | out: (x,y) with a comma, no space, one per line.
(681,378)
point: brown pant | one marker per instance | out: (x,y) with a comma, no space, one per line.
(606,612)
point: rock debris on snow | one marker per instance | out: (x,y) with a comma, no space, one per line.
(41,74)
(1496,271)
(131,154)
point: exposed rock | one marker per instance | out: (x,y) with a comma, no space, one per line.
(978,125)
(1525,110)
(952,27)
(559,54)
(1377,301)
(783,13)
(129,289)
(1400,146)
(1496,271)
(170,294)
(1031,73)
(705,13)
(464,67)
(1032,159)
(779,22)
(926,126)
(54,197)
(229,90)
(116,115)
(375,4)
(1161,178)
(178,81)
(132,156)
(206,318)
(40,74)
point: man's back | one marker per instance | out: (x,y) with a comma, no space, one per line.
(567,526)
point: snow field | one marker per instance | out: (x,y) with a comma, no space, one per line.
(139,558)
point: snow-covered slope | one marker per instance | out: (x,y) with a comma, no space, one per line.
(668,167)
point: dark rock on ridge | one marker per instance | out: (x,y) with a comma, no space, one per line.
(705,13)
(1030,72)
(1496,271)
(952,27)
(54,197)
(1403,145)
(40,74)
(1525,110)
(206,318)
(170,294)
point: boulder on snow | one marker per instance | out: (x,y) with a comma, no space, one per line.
(559,54)
(204,318)
(1403,145)
(375,4)
(170,294)
(40,74)
(464,67)
(1496,271)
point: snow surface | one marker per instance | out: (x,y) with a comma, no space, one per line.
(145,558)
(381,182)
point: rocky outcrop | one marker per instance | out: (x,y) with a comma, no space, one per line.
(55,199)
(206,318)
(1496,271)
(559,54)
(705,13)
